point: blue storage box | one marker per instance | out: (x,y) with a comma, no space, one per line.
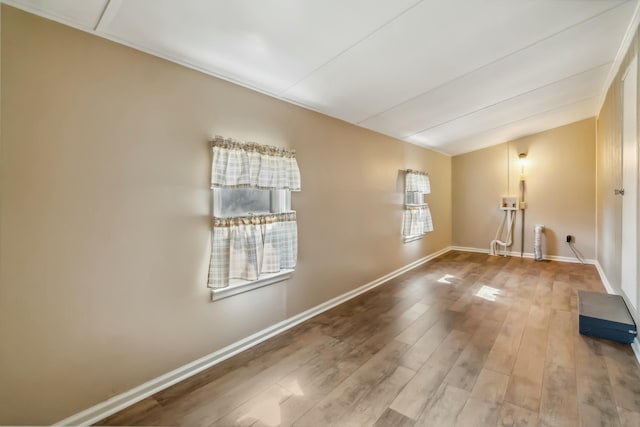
(605,316)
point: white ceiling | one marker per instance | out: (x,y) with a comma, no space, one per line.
(452,75)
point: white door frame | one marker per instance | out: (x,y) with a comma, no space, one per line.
(629,156)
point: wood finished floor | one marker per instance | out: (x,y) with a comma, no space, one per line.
(465,340)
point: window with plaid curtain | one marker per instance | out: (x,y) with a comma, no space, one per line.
(417,215)
(249,246)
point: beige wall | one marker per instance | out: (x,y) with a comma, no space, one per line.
(105,215)
(479,179)
(560,190)
(609,173)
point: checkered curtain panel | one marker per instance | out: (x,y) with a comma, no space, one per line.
(280,245)
(416,181)
(416,221)
(248,247)
(237,165)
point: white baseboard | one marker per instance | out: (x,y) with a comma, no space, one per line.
(605,281)
(136,394)
(468,249)
(525,255)
(635,346)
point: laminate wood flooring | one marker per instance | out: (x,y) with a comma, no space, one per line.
(465,340)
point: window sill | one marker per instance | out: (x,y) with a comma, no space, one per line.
(242,286)
(407,239)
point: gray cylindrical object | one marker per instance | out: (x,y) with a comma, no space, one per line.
(537,241)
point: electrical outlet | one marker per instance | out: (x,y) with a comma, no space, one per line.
(569,238)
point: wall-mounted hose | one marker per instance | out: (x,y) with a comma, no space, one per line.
(509,218)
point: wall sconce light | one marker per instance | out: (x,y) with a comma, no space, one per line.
(522,159)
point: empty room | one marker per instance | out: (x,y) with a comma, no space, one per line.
(319,213)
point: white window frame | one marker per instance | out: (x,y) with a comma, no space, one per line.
(407,239)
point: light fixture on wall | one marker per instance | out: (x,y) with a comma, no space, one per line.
(522,159)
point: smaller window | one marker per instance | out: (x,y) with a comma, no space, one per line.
(416,220)
(413,198)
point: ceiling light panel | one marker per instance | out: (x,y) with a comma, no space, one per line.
(511,131)
(435,43)
(269,45)
(560,94)
(580,48)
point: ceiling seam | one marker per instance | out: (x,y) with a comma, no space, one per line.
(104,10)
(508,99)
(348,48)
(493,62)
(461,140)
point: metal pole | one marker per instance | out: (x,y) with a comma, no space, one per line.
(522,225)
(522,236)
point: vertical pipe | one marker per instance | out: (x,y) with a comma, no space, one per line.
(508,169)
(522,236)
(522,184)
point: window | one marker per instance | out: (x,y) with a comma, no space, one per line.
(254,231)
(417,219)
(229,202)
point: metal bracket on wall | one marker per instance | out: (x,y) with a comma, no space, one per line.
(618,192)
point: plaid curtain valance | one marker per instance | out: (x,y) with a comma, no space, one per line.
(251,246)
(237,165)
(417,220)
(417,181)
